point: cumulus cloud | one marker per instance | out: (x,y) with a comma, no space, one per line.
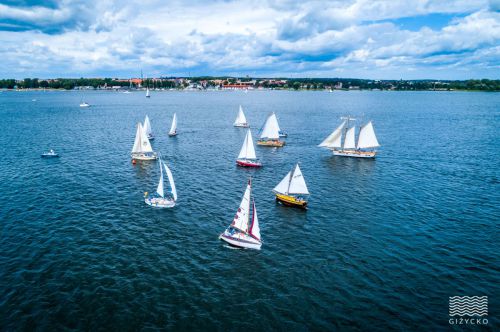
(278,37)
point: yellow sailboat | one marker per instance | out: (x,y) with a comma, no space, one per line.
(292,190)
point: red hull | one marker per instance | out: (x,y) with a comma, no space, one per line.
(248,163)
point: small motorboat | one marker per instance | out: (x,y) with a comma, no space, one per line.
(50,154)
(84,104)
(283,134)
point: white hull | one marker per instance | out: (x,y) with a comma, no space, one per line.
(160,202)
(241,125)
(172,134)
(241,240)
(84,105)
(142,156)
(354,154)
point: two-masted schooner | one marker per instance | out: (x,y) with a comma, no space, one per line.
(241,120)
(160,199)
(142,149)
(247,156)
(292,190)
(243,232)
(270,135)
(342,140)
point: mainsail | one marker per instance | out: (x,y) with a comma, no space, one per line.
(247,150)
(173,128)
(171,181)
(147,126)
(334,140)
(159,189)
(255,228)
(292,183)
(367,138)
(240,119)
(271,128)
(240,220)
(349,138)
(141,143)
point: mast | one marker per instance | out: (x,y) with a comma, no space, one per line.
(290,179)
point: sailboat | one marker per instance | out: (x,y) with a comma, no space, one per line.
(147,128)
(243,232)
(271,133)
(292,189)
(247,155)
(147,92)
(142,149)
(367,141)
(159,199)
(241,120)
(173,128)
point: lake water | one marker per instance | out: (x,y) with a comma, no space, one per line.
(383,245)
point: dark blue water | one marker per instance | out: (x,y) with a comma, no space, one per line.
(383,245)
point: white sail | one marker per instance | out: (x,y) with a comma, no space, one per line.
(240,119)
(141,143)
(147,125)
(367,138)
(159,189)
(271,128)
(147,92)
(333,141)
(173,128)
(349,138)
(240,220)
(255,228)
(297,183)
(248,149)
(282,187)
(171,181)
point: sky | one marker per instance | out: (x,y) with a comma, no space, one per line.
(374,39)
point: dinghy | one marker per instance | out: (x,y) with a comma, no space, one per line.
(291,191)
(242,232)
(142,149)
(147,129)
(50,154)
(342,140)
(159,199)
(173,128)
(241,120)
(247,157)
(271,133)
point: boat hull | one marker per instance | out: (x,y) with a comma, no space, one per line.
(271,143)
(248,163)
(291,201)
(172,134)
(160,202)
(241,125)
(143,156)
(50,156)
(151,137)
(244,241)
(354,153)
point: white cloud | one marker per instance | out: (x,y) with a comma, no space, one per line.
(277,37)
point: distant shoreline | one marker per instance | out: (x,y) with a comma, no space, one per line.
(247,83)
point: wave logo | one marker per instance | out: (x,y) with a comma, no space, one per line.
(468,305)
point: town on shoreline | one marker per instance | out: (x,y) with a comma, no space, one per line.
(247,83)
